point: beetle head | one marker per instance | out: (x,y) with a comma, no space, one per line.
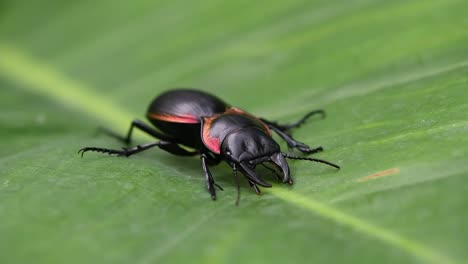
(248,147)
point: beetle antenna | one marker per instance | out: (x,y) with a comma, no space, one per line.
(310,159)
(236,178)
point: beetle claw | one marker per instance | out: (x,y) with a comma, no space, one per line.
(212,191)
(219,187)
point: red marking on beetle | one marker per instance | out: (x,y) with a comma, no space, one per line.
(212,143)
(379,174)
(186,119)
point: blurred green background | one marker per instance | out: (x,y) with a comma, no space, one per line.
(392,76)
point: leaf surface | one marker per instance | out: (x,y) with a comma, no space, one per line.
(392,76)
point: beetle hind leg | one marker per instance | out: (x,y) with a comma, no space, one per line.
(165,145)
(122,152)
(137,124)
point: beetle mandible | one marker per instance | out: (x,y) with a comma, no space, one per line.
(216,131)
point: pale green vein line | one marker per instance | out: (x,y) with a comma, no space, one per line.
(176,239)
(44,79)
(428,255)
(361,88)
(426,132)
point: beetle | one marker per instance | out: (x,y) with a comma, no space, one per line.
(215,131)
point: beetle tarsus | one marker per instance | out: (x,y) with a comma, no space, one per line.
(102,150)
(282,131)
(124,151)
(292,143)
(298,123)
(303,119)
(308,150)
(219,187)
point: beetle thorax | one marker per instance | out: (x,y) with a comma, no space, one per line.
(248,144)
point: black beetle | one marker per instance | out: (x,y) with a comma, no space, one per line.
(216,131)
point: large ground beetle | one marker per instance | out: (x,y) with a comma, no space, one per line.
(216,131)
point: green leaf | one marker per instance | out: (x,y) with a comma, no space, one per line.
(392,76)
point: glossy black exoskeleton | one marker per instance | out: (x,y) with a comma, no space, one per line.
(216,131)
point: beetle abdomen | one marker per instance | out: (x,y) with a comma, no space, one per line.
(185,106)
(182,133)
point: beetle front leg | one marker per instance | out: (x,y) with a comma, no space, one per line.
(298,123)
(282,130)
(292,143)
(210,183)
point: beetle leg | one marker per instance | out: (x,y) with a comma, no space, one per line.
(165,145)
(176,149)
(282,130)
(298,123)
(138,124)
(292,143)
(255,187)
(123,152)
(236,178)
(210,183)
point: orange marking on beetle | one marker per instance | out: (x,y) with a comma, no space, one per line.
(379,174)
(186,119)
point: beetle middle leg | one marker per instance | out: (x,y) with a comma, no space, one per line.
(137,124)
